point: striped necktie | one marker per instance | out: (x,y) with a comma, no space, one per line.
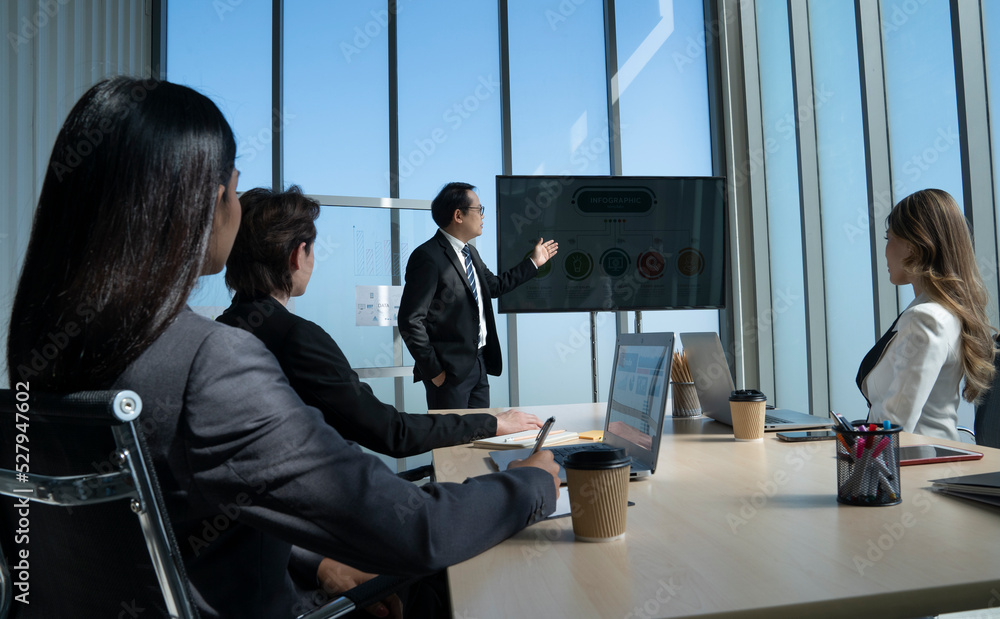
(471,276)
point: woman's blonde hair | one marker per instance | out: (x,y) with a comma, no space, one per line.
(943,262)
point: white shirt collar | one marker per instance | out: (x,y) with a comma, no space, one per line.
(455,243)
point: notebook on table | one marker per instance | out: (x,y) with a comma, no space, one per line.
(520,440)
(637,404)
(714,383)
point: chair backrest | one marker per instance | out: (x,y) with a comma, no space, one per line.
(81,518)
(83,529)
(987,424)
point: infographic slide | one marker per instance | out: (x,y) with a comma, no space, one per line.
(377,306)
(625,243)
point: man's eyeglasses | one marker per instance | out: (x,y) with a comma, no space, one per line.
(480,208)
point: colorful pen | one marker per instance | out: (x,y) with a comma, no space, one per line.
(882,444)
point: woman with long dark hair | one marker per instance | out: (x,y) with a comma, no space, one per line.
(139,200)
(911,377)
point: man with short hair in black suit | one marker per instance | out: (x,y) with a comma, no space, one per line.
(445,315)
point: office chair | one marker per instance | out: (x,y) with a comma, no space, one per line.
(987,424)
(89,487)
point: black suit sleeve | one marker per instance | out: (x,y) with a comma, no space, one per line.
(508,280)
(415,309)
(321,374)
(303,566)
(248,440)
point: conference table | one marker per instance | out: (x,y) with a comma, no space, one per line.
(725,528)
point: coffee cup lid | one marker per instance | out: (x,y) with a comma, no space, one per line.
(747,395)
(597,459)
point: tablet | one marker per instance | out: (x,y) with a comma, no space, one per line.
(928,454)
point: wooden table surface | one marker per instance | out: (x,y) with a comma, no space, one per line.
(740,530)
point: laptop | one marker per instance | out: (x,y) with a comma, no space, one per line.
(637,404)
(714,383)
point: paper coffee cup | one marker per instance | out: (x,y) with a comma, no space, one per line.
(747,407)
(598,493)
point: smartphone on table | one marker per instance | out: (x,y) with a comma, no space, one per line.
(811,435)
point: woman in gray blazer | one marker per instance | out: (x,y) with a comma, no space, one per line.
(120,236)
(911,377)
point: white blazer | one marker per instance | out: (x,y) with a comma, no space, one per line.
(916,381)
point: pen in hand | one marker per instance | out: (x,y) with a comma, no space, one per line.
(542,434)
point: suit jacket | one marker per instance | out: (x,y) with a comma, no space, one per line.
(247,470)
(439,317)
(320,373)
(916,381)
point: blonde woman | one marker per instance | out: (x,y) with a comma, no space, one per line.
(912,375)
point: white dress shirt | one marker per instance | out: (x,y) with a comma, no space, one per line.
(916,381)
(457,246)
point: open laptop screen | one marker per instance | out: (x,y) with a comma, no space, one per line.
(638,398)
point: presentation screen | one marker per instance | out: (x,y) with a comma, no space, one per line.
(625,242)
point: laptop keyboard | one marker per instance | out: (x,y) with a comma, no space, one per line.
(772,419)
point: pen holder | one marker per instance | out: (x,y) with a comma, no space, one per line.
(685,400)
(868,465)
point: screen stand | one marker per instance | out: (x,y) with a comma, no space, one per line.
(593,357)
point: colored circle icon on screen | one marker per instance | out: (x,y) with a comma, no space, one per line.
(651,264)
(615,262)
(579,265)
(690,262)
(544,270)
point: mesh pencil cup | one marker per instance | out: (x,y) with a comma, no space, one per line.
(868,465)
(685,400)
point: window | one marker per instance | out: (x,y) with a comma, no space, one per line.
(846,238)
(336,97)
(784,222)
(661,52)
(559,125)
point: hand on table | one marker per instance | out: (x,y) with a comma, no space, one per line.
(335,578)
(511,421)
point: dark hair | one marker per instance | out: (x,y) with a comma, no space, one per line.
(121,231)
(273,226)
(452,196)
(943,261)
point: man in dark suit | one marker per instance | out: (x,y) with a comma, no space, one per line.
(445,315)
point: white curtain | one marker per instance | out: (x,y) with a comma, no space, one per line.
(53,51)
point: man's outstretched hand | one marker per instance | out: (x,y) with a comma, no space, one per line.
(544,250)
